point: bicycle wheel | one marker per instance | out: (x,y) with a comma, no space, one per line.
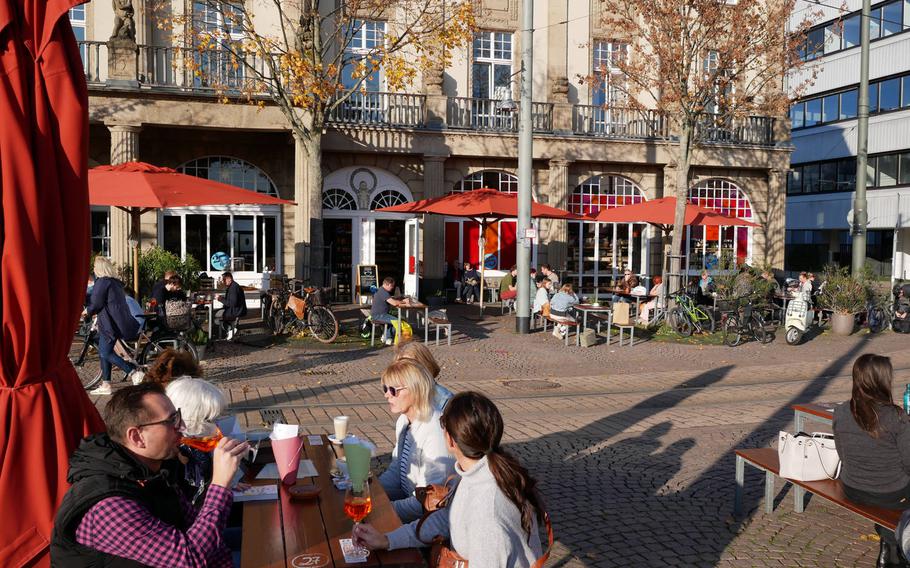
(732,334)
(157,345)
(706,320)
(757,325)
(683,325)
(84,357)
(322,323)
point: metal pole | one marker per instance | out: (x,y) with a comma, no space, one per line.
(862,146)
(525,170)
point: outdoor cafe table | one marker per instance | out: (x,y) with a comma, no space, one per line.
(819,412)
(287,533)
(415,305)
(585,308)
(638,298)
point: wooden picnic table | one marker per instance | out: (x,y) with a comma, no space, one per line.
(288,533)
(415,305)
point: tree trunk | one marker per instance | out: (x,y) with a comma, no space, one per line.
(683,159)
(309,257)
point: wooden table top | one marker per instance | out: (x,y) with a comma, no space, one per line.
(822,410)
(592,308)
(287,533)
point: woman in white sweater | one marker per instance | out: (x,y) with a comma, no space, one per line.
(492,521)
(420,456)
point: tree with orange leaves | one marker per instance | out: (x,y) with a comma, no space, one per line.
(706,66)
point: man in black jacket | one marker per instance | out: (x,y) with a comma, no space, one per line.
(124,507)
(234,305)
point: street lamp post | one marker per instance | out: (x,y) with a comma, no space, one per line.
(525,170)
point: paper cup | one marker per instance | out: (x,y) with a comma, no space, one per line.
(287,458)
(341,427)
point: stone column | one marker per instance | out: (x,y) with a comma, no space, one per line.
(558,232)
(437,102)
(557,66)
(124,148)
(433,225)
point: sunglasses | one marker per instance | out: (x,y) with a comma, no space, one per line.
(172,420)
(394,391)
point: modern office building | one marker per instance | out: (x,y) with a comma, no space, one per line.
(821,183)
(448,133)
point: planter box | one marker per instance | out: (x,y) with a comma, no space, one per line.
(842,324)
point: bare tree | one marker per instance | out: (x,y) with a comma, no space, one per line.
(310,57)
(705,65)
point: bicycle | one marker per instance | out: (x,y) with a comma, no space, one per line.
(743,321)
(687,318)
(878,315)
(85,358)
(291,314)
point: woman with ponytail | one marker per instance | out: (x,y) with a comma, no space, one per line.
(492,521)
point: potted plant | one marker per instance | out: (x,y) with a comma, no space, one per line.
(845,296)
(436,299)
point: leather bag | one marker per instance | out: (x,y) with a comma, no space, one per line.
(808,457)
(297,305)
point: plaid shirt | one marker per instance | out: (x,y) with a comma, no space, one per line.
(125,528)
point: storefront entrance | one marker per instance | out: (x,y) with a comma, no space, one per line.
(389,250)
(338,238)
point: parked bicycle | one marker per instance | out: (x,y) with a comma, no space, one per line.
(745,321)
(687,318)
(291,314)
(84,355)
(878,315)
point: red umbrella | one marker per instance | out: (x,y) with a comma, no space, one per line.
(44,235)
(137,187)
(660,212)
(483,206)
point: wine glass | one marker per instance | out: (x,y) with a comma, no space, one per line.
(205,440)
(357,505)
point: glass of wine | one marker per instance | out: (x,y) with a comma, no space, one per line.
(357,505)
(205,440)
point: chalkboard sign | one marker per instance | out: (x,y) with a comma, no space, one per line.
(367,279)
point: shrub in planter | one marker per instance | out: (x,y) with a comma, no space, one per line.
(844,295)
(155,261)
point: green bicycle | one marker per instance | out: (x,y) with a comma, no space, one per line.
(687,318)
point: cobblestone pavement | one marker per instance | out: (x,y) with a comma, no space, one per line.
(632,446)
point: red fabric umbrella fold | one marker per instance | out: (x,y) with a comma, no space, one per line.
(44,410)
(661,212)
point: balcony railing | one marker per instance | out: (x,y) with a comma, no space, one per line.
(756,130)
(393,109)
(486,114)
(202,71)
(91,52)
(592,120)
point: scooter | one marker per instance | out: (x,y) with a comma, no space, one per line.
(799,318)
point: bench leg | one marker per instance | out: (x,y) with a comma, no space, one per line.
(568,331)
(769,492)
(799,498)
(437,335)
(740,481)
(372,335)
(631,336)
(449,335)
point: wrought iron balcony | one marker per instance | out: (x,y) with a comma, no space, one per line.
(752,130)
(392,109)
(486,114)
(593,120)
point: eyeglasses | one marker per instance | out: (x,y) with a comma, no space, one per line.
(174,419)
(394,391)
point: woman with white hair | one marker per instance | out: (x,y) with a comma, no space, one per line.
(200,403)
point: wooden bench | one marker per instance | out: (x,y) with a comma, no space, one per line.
(571,323)
(441,323)
(765,459)
(373,327)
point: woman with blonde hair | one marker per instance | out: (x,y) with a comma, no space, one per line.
(115,321)
(420,457)
(420,353)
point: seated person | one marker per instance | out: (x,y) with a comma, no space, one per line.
(901,323)
(234,308)
(124,503)
(159,287)
(704,289)
(172,290)
(561,307)
(171,364)
(542,296)
(655,294)
(468,287)
(625,285)
(379,311)
(552,276)
(508,286)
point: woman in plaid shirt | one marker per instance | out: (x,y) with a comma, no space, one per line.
(124,507)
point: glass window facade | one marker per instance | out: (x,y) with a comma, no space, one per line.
(886,19)
(884,95)
(882,170)
(706,246)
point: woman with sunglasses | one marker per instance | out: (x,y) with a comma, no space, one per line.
(420,457)
(493,518)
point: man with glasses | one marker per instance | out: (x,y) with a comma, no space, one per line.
(124,505)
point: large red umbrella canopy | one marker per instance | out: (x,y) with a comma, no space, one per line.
(661,212)
(44,264)
(482,205)
(479,204)
(144,186)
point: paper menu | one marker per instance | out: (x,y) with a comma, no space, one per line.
(306,469)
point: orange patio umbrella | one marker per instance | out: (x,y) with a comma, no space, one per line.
(661,212)
(484,206)
(137,187)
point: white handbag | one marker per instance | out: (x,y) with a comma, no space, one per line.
(808,457)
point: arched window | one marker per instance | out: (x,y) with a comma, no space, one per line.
(232,171)
(338,199)
(491,179)
(604,192)
(721,196)
(387,198)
